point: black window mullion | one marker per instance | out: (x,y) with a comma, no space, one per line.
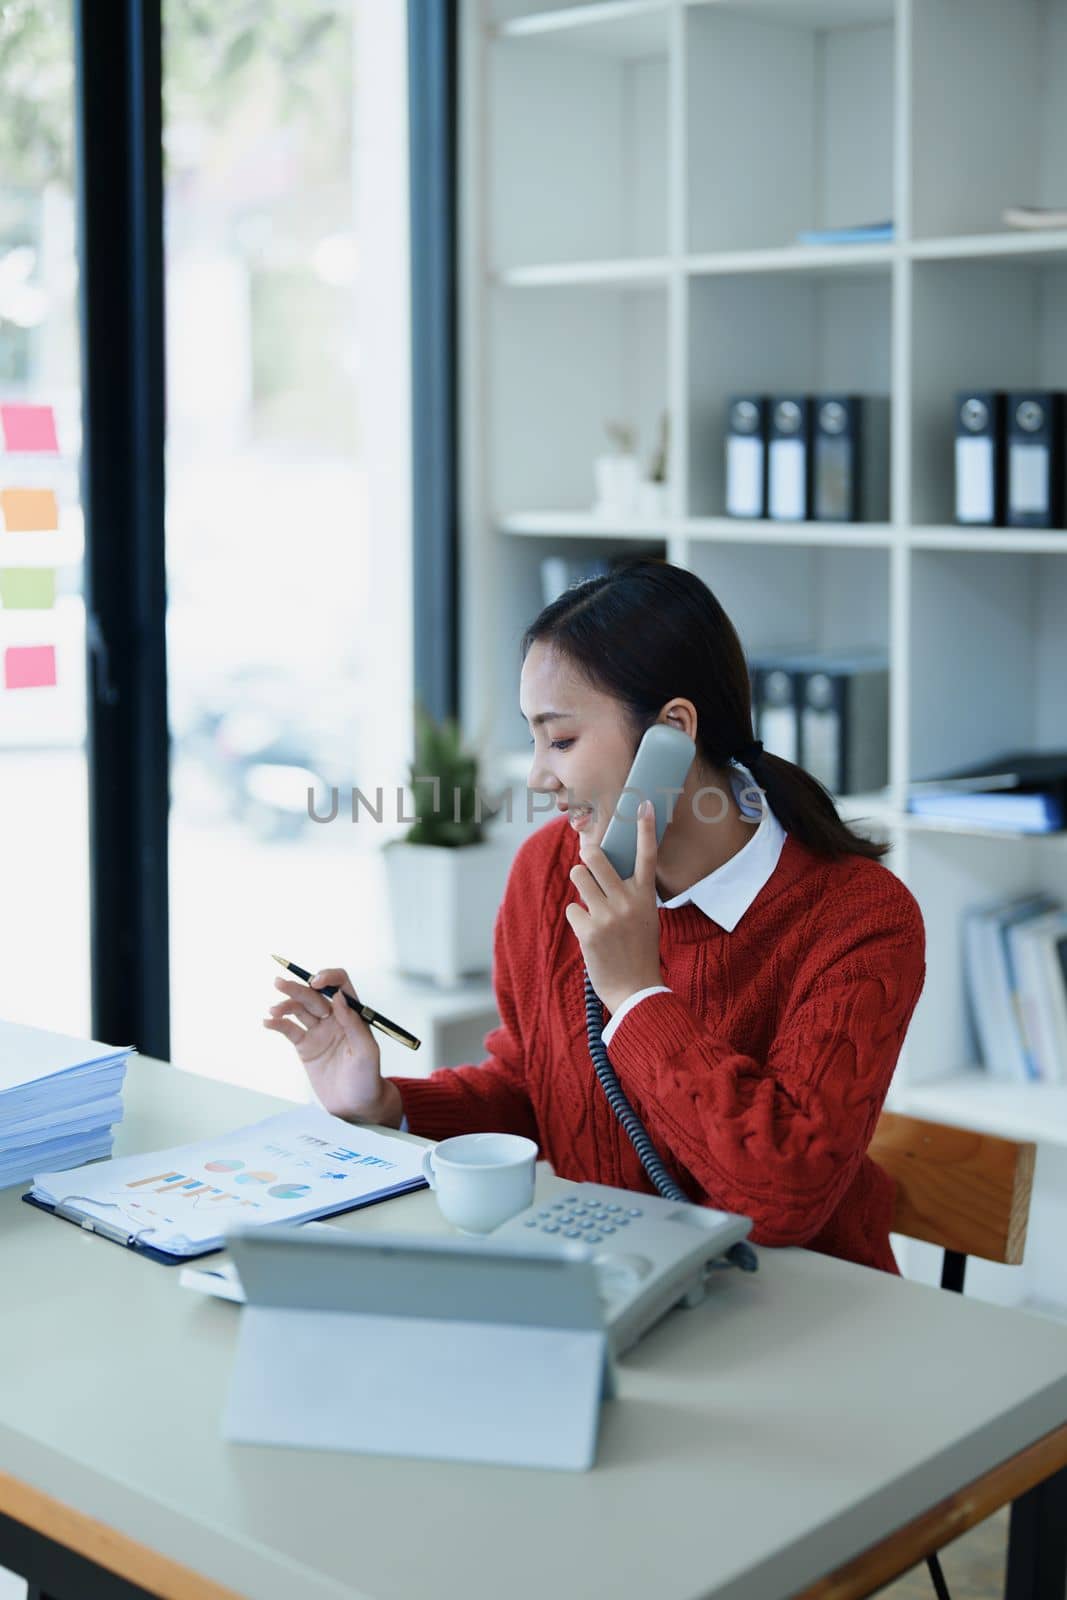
(119,189)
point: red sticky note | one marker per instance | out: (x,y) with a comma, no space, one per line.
(30,666)
(29,428)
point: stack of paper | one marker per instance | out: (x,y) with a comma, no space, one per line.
(60,1098)
(1035,216)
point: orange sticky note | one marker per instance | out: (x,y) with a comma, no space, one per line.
(29,510)
(30,666)
(29,428)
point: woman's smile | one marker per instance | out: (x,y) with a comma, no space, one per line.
(578,814)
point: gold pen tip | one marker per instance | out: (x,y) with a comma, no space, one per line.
(280,960)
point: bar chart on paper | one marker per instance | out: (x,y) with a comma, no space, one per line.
(288,1168)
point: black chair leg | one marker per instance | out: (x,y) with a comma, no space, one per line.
(938,1578)
(953,1267)
(1037,1542)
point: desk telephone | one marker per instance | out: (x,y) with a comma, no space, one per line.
(647,1254)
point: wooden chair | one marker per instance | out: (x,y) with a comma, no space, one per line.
(966,1191)
(969,1193)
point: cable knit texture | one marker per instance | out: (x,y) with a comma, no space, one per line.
(760,1077)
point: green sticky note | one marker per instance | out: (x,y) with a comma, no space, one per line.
(27,588)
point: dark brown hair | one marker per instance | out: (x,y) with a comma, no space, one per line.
(650,631)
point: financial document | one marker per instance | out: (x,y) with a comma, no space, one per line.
(287,1168)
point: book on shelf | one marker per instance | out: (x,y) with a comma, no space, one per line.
(1035,217)
(860,233)
(1021,792)
(1015,971)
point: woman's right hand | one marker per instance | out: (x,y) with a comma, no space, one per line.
(336,1047)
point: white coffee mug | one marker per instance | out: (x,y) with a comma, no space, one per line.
(481,1179)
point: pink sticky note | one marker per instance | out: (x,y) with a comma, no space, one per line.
(30,666)
(29,428)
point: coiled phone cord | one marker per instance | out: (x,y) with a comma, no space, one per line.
(740,1254)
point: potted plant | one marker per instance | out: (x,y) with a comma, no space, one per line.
(652,493)
(445,876)
(617,475)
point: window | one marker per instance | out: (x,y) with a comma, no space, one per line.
(288,566)
(44,858)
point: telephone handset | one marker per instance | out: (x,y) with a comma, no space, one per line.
(659,769)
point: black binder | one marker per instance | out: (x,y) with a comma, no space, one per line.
(851,451)
(789,488)
(844,721)
(980,458)
(1036,460)
(1017,772)
(774,707)
(746,456)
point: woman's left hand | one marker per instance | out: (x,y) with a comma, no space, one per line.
(618,927)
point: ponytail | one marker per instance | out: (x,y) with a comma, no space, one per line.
(648,631)
(806,810)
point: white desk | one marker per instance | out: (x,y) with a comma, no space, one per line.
(783,1428)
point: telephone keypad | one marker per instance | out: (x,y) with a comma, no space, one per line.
(588,1220)
(647,1252)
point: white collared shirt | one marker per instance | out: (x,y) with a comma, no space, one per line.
(725,894)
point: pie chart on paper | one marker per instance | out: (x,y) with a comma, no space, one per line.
(289,1191)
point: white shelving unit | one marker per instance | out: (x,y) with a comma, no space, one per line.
(634,175)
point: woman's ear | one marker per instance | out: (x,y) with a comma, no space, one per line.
(682,714)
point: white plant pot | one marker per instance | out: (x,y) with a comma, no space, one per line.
(651,500)
(443,904)
(618,478)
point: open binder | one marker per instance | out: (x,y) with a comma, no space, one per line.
(172,1205)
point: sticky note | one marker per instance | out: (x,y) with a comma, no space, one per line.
(29,428)
(29,510)
(27,588)
(30,666)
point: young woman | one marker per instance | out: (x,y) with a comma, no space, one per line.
(758,972)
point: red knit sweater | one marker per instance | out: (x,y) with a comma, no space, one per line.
(760,1078)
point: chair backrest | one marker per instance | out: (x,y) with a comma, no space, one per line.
(964,1190)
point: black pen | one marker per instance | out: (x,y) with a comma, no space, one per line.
(368,1013)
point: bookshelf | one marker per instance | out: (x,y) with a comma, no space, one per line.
(633,177)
